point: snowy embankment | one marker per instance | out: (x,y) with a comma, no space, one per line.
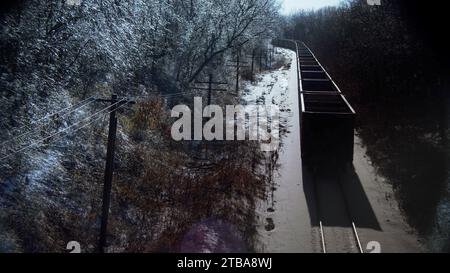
(270,87)
(283,224)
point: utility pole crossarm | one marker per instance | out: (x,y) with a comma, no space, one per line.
(122,101)
(210,82)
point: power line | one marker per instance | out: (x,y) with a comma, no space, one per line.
(13,91)
(4,99)
(57,112)
(166,95)
(75,107)
(87,124)
(83,104)
(61,131)
(62,110)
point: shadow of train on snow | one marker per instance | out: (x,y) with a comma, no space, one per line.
(336,197)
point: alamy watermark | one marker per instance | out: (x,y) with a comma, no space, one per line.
(241,122)
(374,2)
(73,2)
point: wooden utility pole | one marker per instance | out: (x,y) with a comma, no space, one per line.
(260,60)
(238,66)
(270,57)
(253,65)
(252,56)
(266,58)
(210,88)
(109,168)
(237,69)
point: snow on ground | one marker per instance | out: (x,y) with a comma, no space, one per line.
(270,87)
(284,224)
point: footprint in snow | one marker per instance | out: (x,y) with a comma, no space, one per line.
(270,224)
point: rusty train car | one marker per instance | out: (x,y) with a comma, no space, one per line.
(327,120)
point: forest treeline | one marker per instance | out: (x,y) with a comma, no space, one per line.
(391,62)
(74,44)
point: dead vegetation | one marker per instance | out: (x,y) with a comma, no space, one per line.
(164,188)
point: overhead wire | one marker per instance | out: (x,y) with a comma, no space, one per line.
(62,131)
(73,108)
(77,105)
(80,105)
(83,126)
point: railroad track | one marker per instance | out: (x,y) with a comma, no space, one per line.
(337,227)
(327,135)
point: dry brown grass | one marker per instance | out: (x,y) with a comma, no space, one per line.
(165,190)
